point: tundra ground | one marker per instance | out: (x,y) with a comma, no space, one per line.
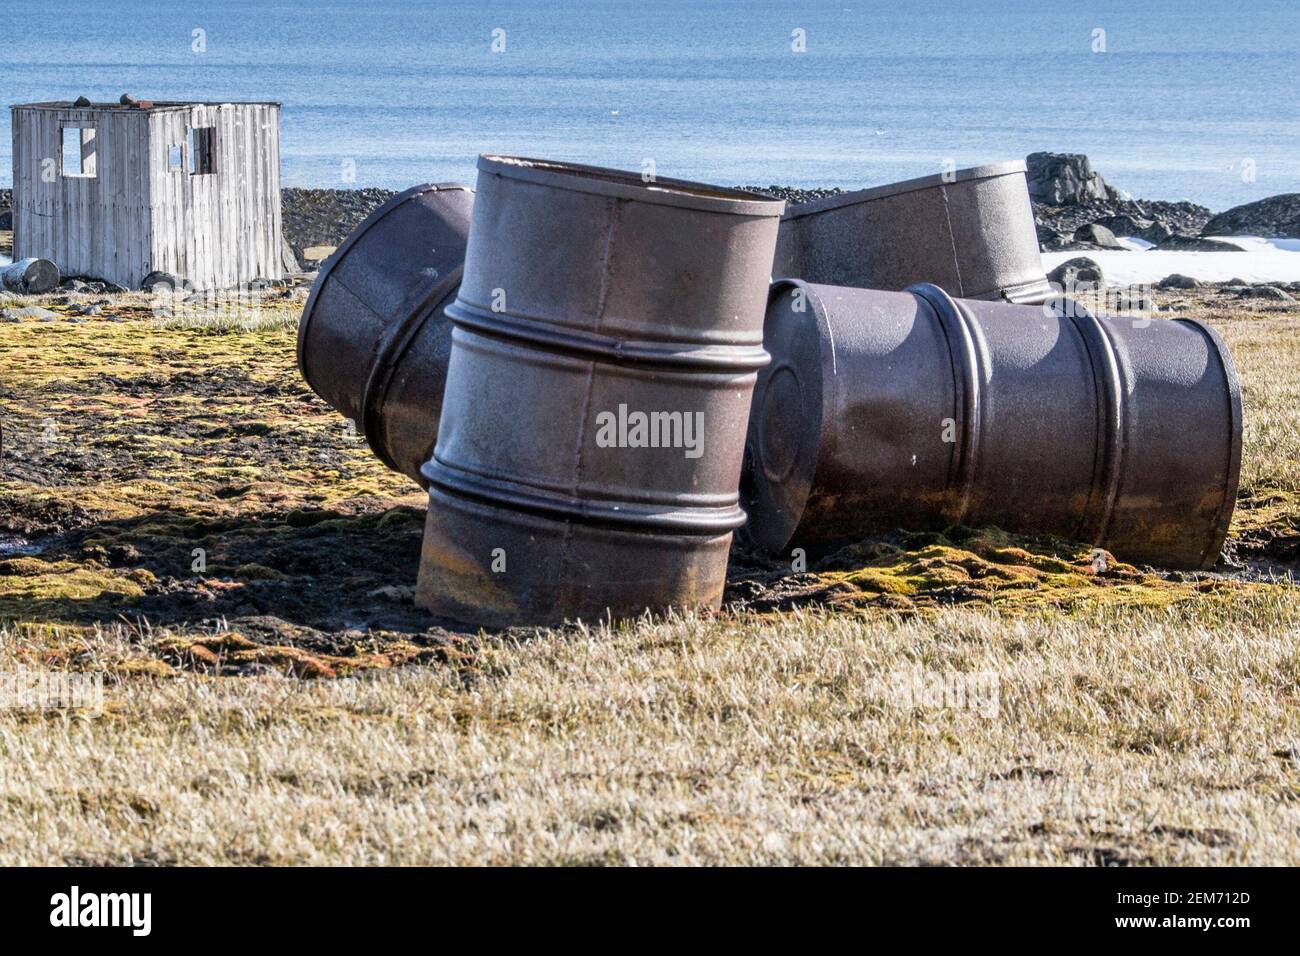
(181,518)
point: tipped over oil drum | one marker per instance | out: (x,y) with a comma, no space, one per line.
(373,341)
(913,410)
(607,336)
(29,277)
(970,232)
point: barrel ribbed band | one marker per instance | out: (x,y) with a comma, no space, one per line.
(969,355)
(1112,379)
(544,334)
(649,516)
(1219,532)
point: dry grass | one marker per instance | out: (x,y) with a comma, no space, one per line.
(1148,737)
(1139,719)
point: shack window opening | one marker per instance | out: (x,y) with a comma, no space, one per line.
(203,151)
(175,157)
(79,151)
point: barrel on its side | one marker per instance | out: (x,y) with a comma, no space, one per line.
(30,277)
(913,410)
(970,232)
(608,335)
(373,341)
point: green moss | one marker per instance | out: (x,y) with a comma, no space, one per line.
(62,590)
(1015,573)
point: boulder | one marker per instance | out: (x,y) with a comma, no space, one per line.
(1049,239)
(1153,230)
(1098,236)
(6,220)
(1076,272)
(1277,217)
(1063,179)
(161,282)
(1126,217)
(1177,281)
(1270,292)
(1196,244)
(289,261)
(29,314)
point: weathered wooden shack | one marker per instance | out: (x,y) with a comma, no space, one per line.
(122,190)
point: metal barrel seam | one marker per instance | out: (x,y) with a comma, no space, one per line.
(952,240)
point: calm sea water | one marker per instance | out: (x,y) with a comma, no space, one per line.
(1196,99)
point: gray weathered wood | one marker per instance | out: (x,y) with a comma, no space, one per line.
(136,214)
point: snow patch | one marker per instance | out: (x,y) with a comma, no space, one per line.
(1264,260)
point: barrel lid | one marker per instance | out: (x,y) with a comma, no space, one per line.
(988,171)
(785,424)
(622,184)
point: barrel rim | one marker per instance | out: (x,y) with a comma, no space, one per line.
(1232,481)
(327,267)
(780,515)
(988,171)
(621,184)
(396,340)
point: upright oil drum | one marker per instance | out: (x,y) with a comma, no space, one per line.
(970,231)
(373,341)
(884,410)
(608,332)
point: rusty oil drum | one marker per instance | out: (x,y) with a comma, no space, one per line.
(373,341)
(884,410)
(591,297)
(970,231)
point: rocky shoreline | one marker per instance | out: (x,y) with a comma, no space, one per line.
(1074,210)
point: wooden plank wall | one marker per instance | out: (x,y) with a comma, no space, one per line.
(220,229)
(137,215)
(98,225)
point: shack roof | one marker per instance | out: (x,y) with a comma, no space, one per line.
(143,106)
